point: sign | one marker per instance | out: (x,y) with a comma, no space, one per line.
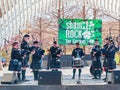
(79,30)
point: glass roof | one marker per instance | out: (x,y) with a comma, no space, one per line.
(15,14)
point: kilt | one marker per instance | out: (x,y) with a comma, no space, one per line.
(111,63)
(25,62)
(36,65)
(105,62)
(55,63)
(15,65)
(96,63)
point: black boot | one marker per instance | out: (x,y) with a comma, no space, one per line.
(18,74)
(74,71)
(23,75)
(95,74)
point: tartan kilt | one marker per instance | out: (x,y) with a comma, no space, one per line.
(55,63)
(15,65)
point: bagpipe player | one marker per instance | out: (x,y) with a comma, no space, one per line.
(96,60)
(25,48)
(37,56)
(56,53)
(16,60)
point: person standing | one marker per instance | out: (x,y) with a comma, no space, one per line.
(56,54)
(110,55)
(16,59)
(37,56)
(77,53)
(25,47)
(96,62)
(104,52)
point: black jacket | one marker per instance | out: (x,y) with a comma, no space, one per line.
(77,51)
(54,51)
(25,48)
(36,58)
(16,54)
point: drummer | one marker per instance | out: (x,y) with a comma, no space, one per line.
(77,53)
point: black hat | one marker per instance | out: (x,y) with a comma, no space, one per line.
(96,39)
(106,38)
(15,43)
(26,35)
(77,43)
(35,42)
(55,42)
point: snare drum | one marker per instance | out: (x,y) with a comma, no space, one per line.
(78,62)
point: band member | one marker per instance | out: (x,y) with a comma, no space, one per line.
(37,55)
(77,53)
(96,63)
(110,54)
(56,54)
(104,49)
(16,59)
(25,51)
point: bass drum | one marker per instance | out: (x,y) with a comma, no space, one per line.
(92,70)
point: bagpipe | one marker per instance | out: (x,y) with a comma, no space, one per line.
(96,52)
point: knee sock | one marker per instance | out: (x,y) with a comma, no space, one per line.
(23,74)
(79,72)
(18,74)
(74,71)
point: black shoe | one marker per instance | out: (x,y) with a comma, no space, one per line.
(56,70)
(25,80)
(73,77)
(53,70)
(94,78)
(104,79)
(99,78)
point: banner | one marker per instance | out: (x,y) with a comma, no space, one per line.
(79,30)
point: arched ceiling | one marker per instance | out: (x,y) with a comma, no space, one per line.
(15,14)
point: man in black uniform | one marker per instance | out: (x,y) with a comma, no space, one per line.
(96,63)
(16,59)
(56,54)
(110,54)
(77,53)
(104,49)
(25,51)
(37,56)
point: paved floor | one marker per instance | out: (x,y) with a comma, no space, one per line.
(86,77)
